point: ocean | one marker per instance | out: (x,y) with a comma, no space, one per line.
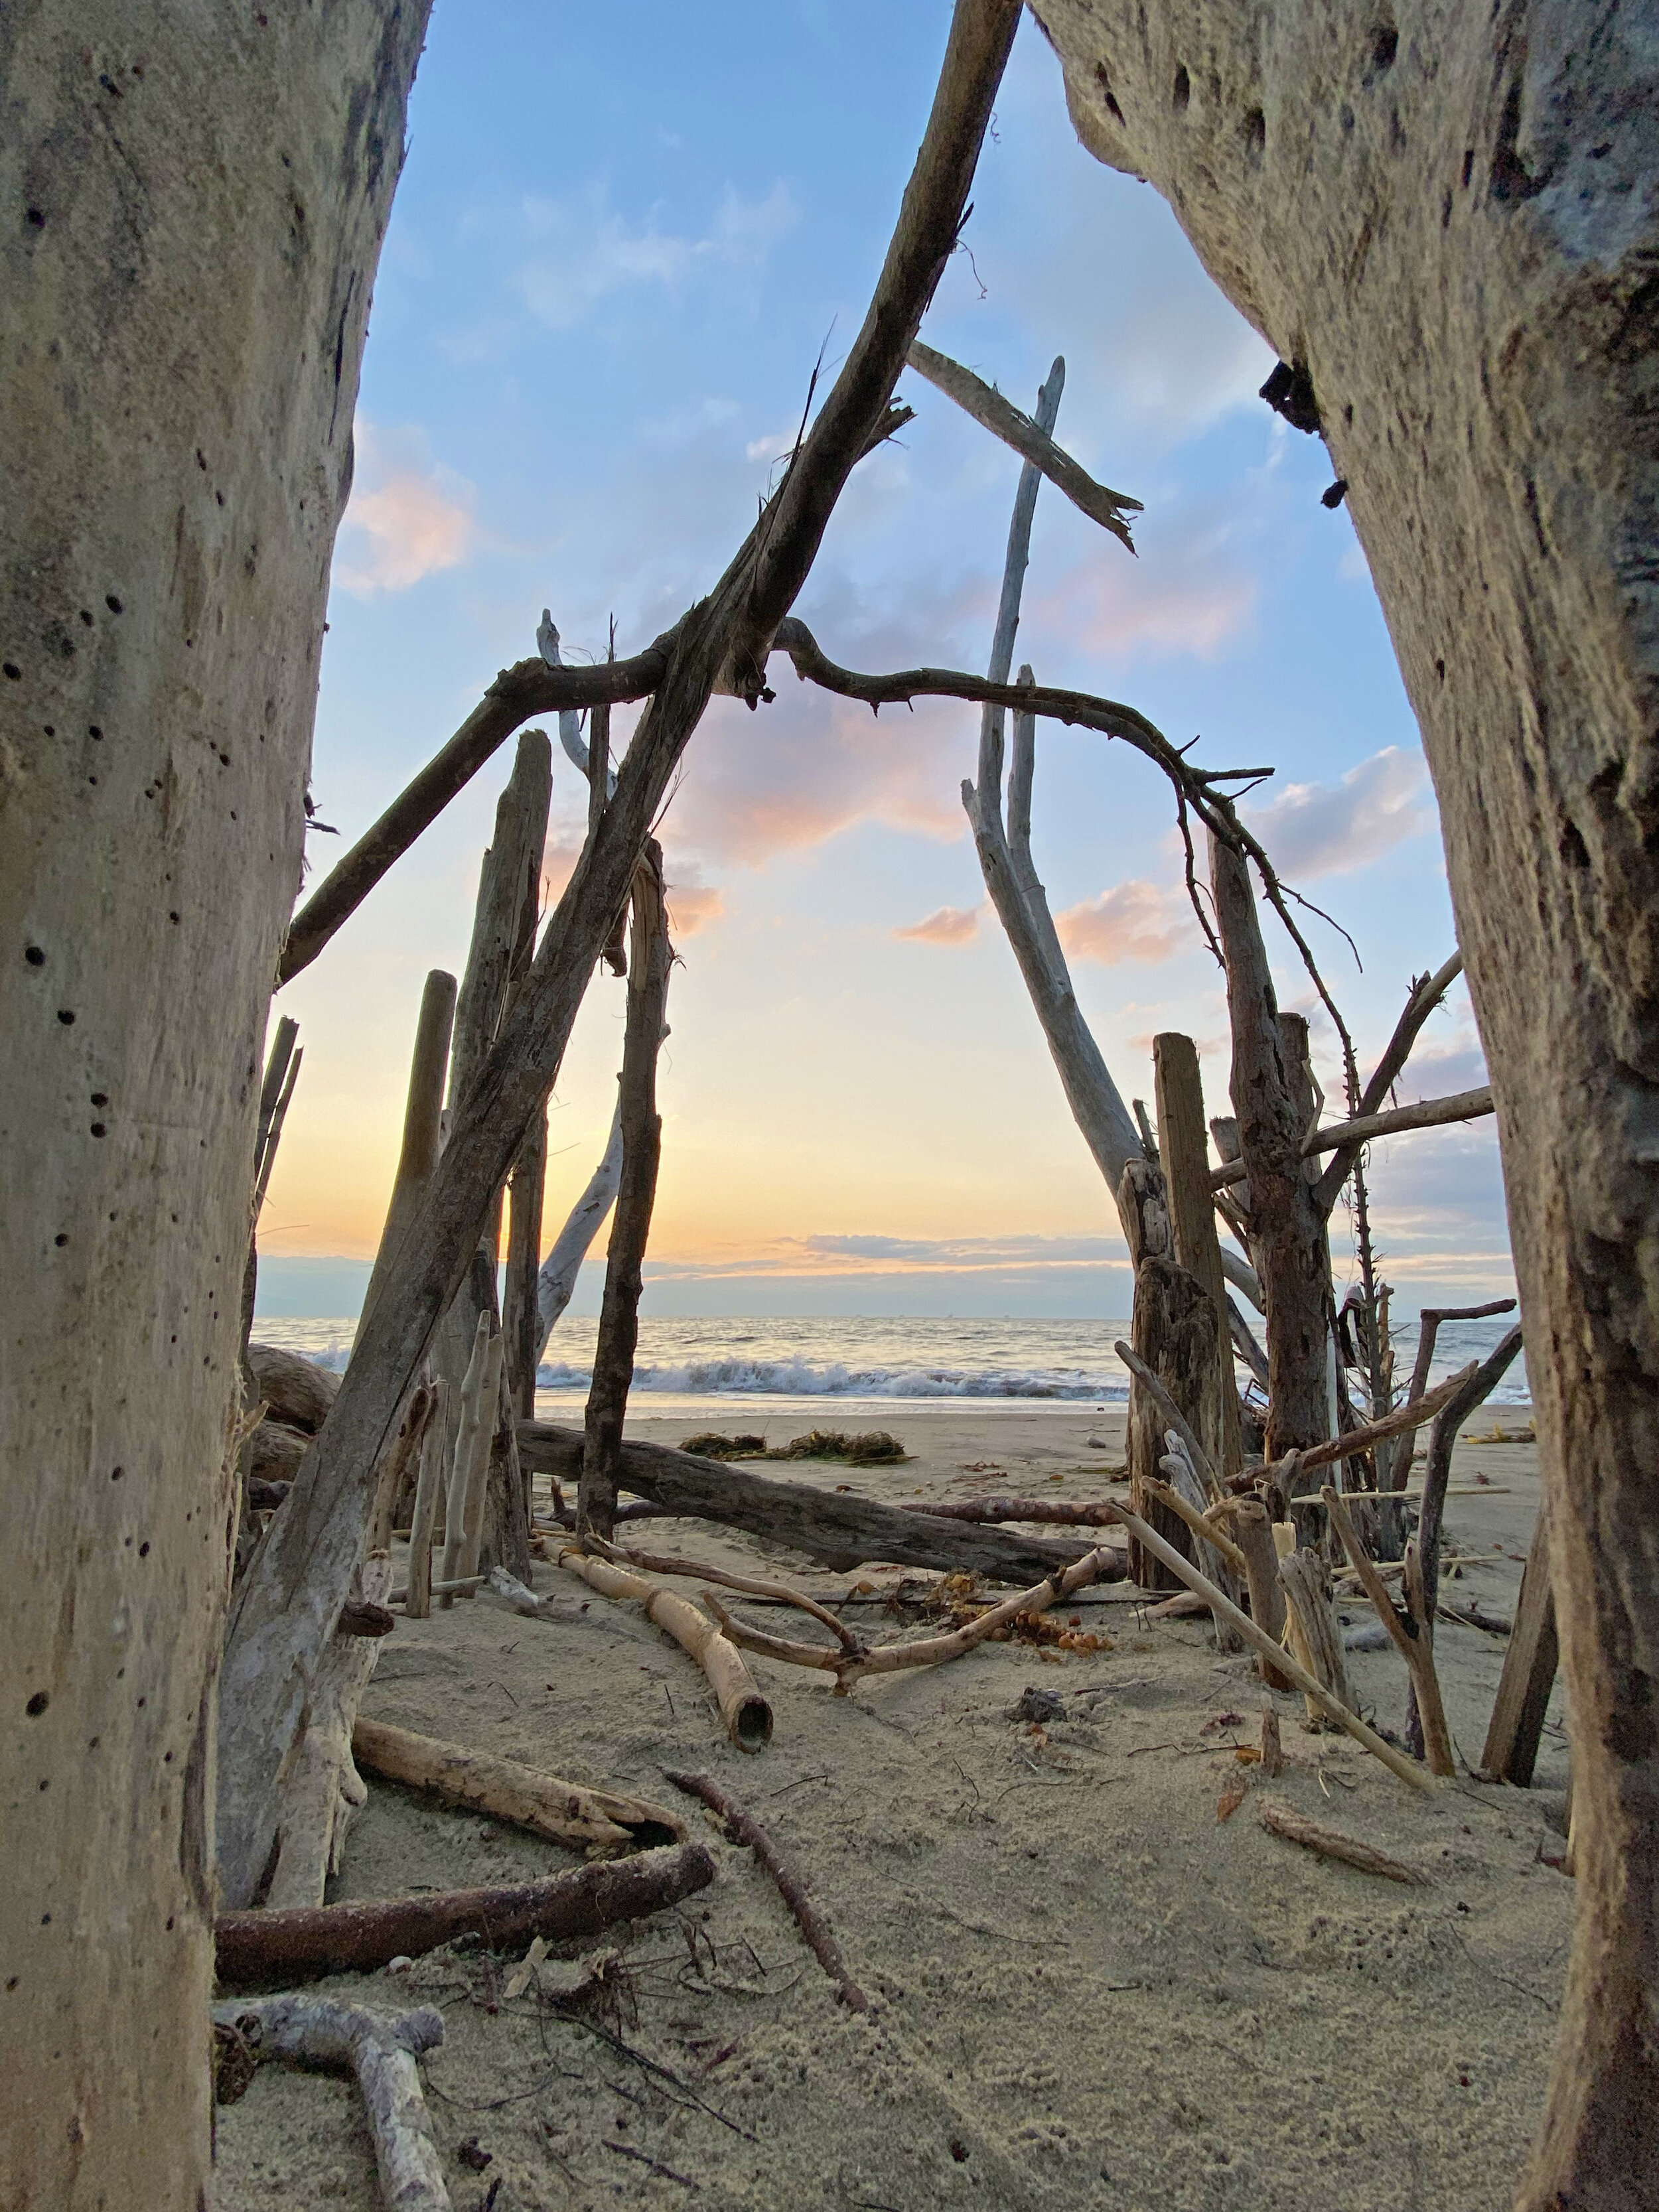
(808,1362)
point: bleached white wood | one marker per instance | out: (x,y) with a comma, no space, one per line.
(555,1284)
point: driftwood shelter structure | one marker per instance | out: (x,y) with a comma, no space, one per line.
(1443,221)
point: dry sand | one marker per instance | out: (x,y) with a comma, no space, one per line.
(1089,1991)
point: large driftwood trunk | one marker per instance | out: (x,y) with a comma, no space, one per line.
(195,214)
(1445,215)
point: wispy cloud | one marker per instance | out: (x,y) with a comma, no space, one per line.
(1137,920)
(693,905)
(946,925)
(1330,828)
(1191,593)
(586,250)
(409,516)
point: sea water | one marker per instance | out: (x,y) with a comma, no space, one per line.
(837,1358)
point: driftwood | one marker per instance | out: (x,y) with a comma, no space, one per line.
(1184,1152)
(381,2051)
(555,1284)
(1018,898)
(422,1138)
(746,1713)
(1110,509)
(1426,996)
(751,1585)
(521,1320)
(322,1791)
(849,1667)
(417,1598)
(1412,1634)
(1403,1421)
(1170,1412)
(1194,1517)
(835,1526)
(1284,1820)
(1311,1626)
(1175,1364)
(285,1604)
(1255,1542)
(1309,1685)
(1053,1511)
(470,1461)
(1365,1128)
(743,1828)
(1529,1675)
(652,959)
(568,1811)
(337,1939)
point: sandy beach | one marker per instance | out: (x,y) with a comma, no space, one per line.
(1088,1989)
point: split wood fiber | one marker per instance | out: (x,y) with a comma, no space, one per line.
(337,1939)
(743,1828)
(1315,1641)
(746,1713)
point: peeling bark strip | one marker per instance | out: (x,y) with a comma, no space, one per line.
(1493,193)
(175,418)
(337,1939)
(289,1598)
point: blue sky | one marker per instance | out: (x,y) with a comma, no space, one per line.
(621,241)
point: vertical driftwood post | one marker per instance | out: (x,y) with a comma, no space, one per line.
(519,1323)
(422,1126)
(465,1455)
(428,1489)
(641,1127)
(1253,1533)
(1287,1227)
(1181,1138)
(1529,1675)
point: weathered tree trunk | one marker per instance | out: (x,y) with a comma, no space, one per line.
(195,214)
(1443,216)
(1176,1331)
(1287,1230)
(652,957)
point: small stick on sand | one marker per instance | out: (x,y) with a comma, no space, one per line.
(381,2052)
(1283,1820)
(747,1714)
(743,1828)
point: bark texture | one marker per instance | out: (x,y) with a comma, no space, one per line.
(1445,216)
(195,211)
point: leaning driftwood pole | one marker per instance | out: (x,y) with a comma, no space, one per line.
(288,1600)
(422,1127)
(519,1323)
(555,1284)
(1412,1632)
(642,1127)
(545,1804)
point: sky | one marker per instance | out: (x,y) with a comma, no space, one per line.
(622,241)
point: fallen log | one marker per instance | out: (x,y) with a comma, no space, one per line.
(835,1527)
(327,1939)
(743,1828)
(381,2052)
(1052,1510)
(568,1811)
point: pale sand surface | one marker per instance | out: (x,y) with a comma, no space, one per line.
(1088,1992)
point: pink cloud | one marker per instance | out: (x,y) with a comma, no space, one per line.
(1137,920)
(946,925)
(408,518)
(693,906)
(1330,828)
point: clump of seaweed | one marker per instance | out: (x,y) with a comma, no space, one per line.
(854,1448)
